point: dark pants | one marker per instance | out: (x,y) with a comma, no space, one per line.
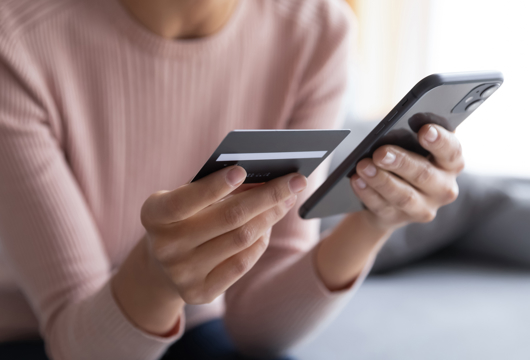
(208,341)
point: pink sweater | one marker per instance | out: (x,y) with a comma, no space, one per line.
(97,113)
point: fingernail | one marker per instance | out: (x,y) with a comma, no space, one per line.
(290,201)
(389,158)
(370,170)
(236,176)
(297,184)
(432,134)
(360,183)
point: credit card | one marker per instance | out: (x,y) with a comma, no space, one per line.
(268,154)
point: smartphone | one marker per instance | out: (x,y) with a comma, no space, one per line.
(444,99)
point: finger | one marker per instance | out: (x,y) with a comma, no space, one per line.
(418,171)
(165,207)
(444,147)
(371,199)
(237,210)
(232,269)
(215,251)
(397,192)
(244,188)
(419,119)
(240,189)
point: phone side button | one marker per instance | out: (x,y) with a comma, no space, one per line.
(379,128)
(391,116)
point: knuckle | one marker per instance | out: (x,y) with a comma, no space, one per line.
(270,217)
(377,210)
(208,297)
(182,274)
(383,211)
(213,191)
(241,265)
(166,247)
(387,184)
(244,236)
(427,216)
(178,273)
(451,193)
(383,184)
(175,207)
(192,295)
(276,194)
(424,174)
(235,215)
(276,213)
(162,251)
(262,243)
(146,215)
(460,167)
(405,199)
(456,154)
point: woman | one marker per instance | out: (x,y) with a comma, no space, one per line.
(106,104)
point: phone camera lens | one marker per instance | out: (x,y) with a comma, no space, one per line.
(487,93)
(474,105)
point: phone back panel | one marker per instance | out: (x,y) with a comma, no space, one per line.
(440,99)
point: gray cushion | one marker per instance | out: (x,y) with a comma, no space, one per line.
(439,309)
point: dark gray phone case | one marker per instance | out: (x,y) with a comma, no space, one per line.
(444,99)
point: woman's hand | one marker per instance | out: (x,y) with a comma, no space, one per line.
(399,187)
(203,244)
(199,242)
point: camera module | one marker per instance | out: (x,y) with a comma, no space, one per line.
(475,97)
(487,93)
(474,105)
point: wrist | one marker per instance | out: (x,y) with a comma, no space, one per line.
(373,223)
(343,254)
(145,295)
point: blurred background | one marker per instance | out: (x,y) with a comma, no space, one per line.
(401,41)
(450,305)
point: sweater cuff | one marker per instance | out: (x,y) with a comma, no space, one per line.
(112,329)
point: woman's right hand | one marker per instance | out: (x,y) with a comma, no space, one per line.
(201,241)
(204,243)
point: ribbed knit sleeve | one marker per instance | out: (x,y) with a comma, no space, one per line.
(47,233)
(282,300)
(97,113)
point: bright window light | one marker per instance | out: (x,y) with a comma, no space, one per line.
(486,35)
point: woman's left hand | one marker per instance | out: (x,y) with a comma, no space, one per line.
(399,187)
